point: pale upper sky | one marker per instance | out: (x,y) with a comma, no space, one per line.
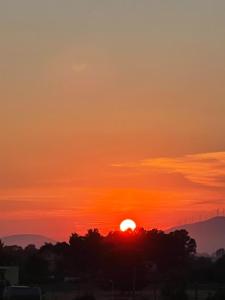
(94,90)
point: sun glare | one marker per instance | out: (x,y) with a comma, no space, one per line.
(127,224)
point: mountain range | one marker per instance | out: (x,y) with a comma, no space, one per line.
(209,234)
(23,240)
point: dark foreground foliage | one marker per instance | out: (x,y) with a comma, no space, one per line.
(129,261)
(118,260)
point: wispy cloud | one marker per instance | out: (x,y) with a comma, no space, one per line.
(203,168)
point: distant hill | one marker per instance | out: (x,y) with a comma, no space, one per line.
(23,240)
(209,234)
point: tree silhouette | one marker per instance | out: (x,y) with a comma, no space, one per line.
(127,260)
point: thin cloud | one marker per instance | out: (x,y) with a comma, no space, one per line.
(207,169)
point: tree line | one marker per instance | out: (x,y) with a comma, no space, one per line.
(126,260)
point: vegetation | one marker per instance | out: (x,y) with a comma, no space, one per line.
(121,257)
(125,261)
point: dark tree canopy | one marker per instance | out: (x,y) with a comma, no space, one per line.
(119,257)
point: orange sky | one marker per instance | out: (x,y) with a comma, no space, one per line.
(110,110)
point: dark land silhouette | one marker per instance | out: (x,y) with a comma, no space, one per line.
(127,261)
(24,240)
(209,234)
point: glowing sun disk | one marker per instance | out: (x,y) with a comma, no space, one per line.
(127,224)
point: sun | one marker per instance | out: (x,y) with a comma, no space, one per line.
(127,224)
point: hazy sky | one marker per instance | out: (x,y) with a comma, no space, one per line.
(110,109)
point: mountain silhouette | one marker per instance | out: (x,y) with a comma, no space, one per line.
(23,240)
(209,234)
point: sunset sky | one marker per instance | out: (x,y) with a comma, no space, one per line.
(110,110)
